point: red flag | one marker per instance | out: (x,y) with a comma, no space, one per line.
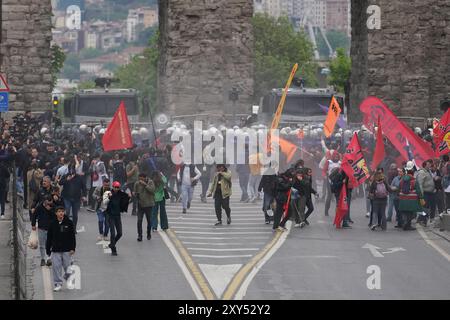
(342,207)
(442,135)
(286,206)
(118,135)
(379,153)
(354,164)
(395,130)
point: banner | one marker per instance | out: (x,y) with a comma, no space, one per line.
(379,153)
(354,164)
(342,207)
(118,135)
(395,130)
(442,135)
(333,115)
(288,148)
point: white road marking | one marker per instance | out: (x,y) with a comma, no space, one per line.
(244,286)
(234,249)
(181,264)
(213,218)
(431,243)
(220,238)
(262,228)
(231,232)
(222,257)
(219,276)
(373,250)
(47,280)
(222,244)
(82,229)
(211,223)
(392,250)
(108,250)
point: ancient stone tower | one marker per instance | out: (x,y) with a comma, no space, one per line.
(206,49)
(406,63)
(25,53)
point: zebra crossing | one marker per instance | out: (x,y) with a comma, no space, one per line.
(220,251)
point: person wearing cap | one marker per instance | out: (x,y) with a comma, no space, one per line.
(221,190)
(410,197)
(116,202)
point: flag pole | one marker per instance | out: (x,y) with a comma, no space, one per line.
(146,104)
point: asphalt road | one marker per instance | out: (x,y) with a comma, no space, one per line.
(204,261)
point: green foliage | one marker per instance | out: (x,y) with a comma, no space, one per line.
(337,39)
(71,68)
(144,35)
(142,72)
(277,48)
(340,70)
(57,58)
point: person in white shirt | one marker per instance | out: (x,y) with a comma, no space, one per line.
(187,176)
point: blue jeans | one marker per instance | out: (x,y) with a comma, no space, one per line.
(186,194)
(72,208)
(162,215)
(390,207)
(267,201)
(19,182)
(103,227)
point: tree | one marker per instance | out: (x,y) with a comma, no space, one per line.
(71,68)
(277,48)
(57,59)
(142,72)
(340,70)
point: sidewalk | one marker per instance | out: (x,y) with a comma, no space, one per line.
(5,255)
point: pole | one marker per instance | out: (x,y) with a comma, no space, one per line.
(234,112)
(151,119)
(15,236)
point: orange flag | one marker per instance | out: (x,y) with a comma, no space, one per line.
(333,115)
(288,148)
(118,135)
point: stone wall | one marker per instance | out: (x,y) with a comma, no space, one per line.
(207,48)
(407,62)
(25,52)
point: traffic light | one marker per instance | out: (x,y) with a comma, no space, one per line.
(55,103)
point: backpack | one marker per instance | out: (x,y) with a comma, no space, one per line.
(380,190)
(335,178)
(119,172)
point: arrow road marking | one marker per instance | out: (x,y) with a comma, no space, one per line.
(373,250)
(392,250)
(82,229)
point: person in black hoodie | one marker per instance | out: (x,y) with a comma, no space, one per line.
(305,189)
(61,244)
(284,184)
(73,190)
(43,215)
